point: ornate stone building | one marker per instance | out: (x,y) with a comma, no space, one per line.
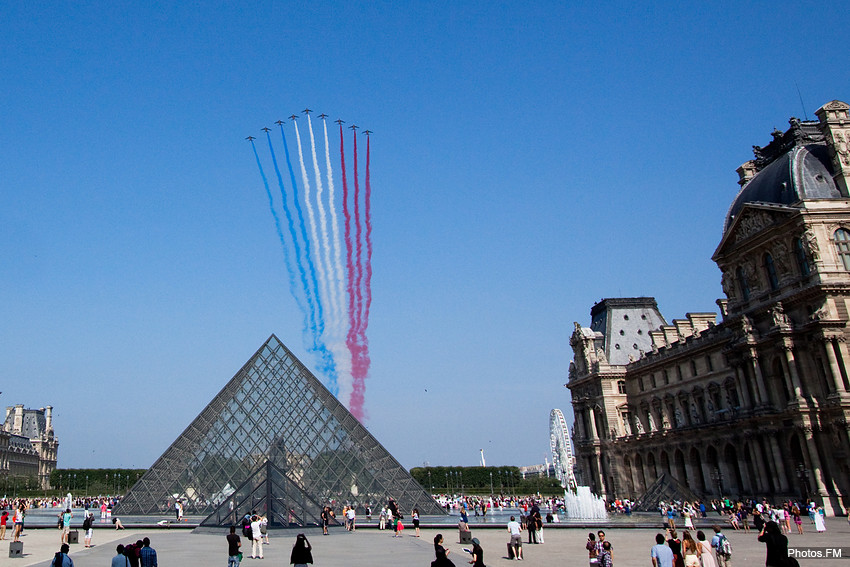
(28,447)
(756,404)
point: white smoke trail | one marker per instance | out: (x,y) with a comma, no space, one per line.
(320,267)
(338,278)
(328,285)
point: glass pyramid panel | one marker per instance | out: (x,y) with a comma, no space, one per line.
(277,438)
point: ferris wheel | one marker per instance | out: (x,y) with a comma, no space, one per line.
(562,450)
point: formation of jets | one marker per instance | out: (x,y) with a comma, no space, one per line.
(308,111)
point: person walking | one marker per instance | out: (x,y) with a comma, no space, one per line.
(798,521)
(87,527)
(147,554)
(120,560)
(605,557)
(351,517)
(592,550)
(776,545)
(722,548)
(661,555)
(3,519)
(66,525)
(256,538)
(676,547)
(415,518)
(705,551)
(61,559)
(302,552)
(691,550)
(820,526)
(234,542)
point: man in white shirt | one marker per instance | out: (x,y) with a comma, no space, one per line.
(256,538)
(515,530)
(351,516)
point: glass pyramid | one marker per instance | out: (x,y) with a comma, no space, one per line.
(274,440)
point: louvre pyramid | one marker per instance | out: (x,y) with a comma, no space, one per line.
(274,440)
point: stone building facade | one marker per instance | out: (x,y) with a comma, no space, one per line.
(757,403)
(28,446)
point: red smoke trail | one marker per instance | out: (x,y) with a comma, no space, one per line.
(360,370)
(351,336)
(359,363)
(368,216)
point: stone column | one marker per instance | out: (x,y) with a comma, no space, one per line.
(842,352)
(779,464)
(744,393)
(764,398)
(594,435)
(791,370)
(834,370)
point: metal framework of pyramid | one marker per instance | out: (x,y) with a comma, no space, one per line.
(274,440)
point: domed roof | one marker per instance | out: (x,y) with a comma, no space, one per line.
(803,172)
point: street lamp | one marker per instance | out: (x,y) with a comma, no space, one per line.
(87,485)
(430,484)
(491,483)
(461,481)
(803,475)
(119,483)
(107,483)
(717,477)
(75,482)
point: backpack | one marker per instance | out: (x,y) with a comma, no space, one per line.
(724,547)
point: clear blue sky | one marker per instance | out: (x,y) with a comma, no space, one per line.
(528,160)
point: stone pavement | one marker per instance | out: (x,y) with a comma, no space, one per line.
(369,547)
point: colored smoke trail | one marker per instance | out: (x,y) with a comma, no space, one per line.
(325,252)
(320,270)
(358,239)
(286,257)
(338,270)
(328,363)
(351,336)
(368,216)
(309,315)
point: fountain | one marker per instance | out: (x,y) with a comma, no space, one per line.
(584,505)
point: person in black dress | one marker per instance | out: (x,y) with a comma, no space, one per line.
(441,553)
(776,543)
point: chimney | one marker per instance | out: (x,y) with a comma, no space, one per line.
(746,172)
(834,120)
(48,418)
(18,425)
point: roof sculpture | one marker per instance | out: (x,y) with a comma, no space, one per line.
(274,440)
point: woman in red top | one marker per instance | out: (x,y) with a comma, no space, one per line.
(3,519)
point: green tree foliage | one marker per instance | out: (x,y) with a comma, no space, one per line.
(477,480)
(99,481)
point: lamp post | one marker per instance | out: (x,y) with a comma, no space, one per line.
(501,487)
(491,483)
(803,475)
(717,477)
(87,485)
(430,484)
(461,481)
(75,482)
(107,483)
(119,483)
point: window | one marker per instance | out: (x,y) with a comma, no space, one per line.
(621,386)
(679,372)
(802,260)
(666,377)
(625,317)
(622,332)
(640,383)
(743,286)
(842,243)
(652,380)
(693,367)
(770,270)
(709,364)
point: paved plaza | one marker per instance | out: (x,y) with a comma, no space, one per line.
(369,547)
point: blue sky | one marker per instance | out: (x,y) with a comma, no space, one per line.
(528,160)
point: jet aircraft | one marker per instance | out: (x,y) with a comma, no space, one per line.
(340,122)
(323,116)
(249,138)
(354,127)
(306,111)
(266,130)
(279,122)
(293,117)
(367,132)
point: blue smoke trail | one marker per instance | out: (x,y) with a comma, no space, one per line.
(280,232)
(312,327)
(328,365)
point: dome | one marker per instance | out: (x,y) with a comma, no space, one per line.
(804,172)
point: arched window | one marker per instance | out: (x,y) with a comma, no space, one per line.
(742,283)
(842,244)
(802,260)
(770,269)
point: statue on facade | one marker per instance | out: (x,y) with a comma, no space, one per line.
(651,421)
(695,414)
(710,405)
(639,426)
(810,243)
(780,257)
(727,282)
(777,313)
(680,419)
(627,427)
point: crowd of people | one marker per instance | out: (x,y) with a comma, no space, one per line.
(740,514)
